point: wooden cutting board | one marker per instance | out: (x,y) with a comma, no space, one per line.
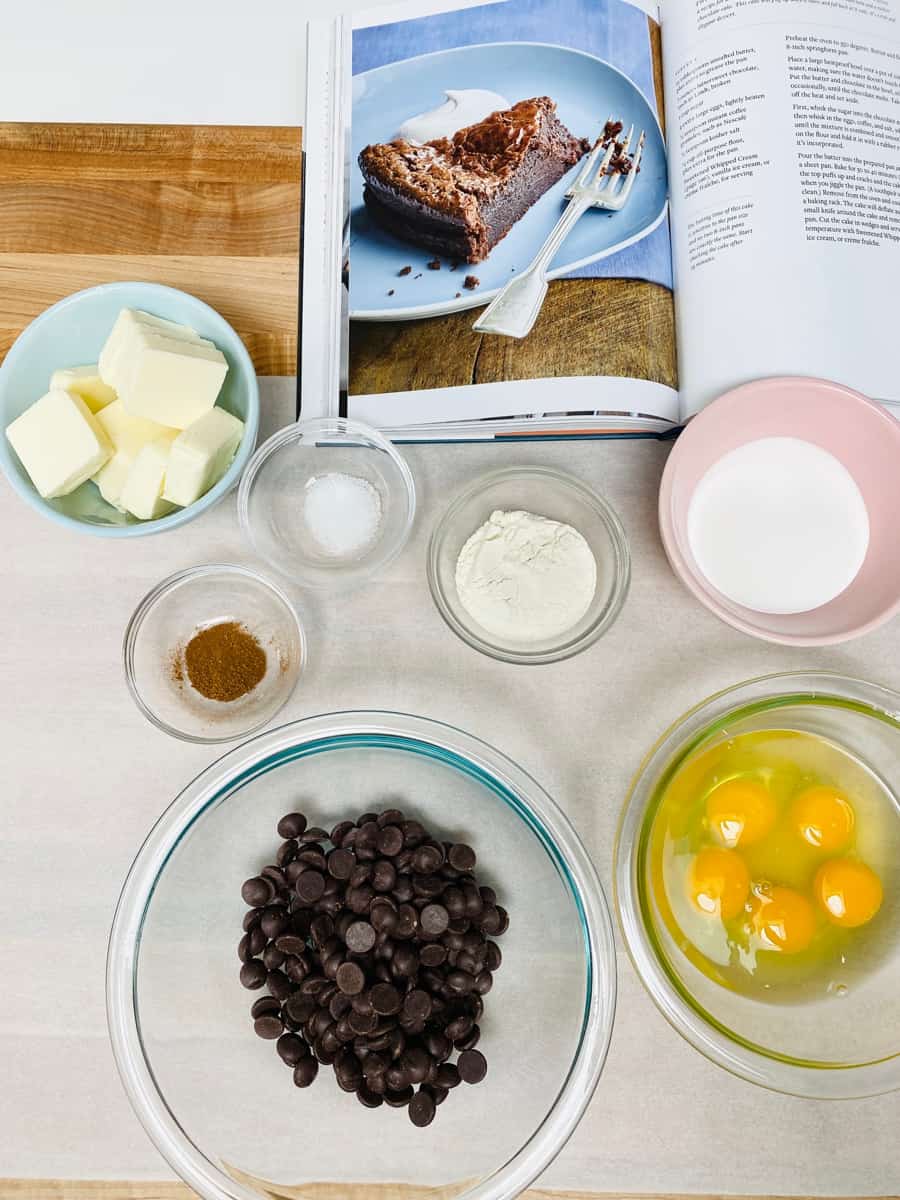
(213,210)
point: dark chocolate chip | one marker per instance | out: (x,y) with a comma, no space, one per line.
(434,919)
(310,886)
(447,1075)
(339,832)
(305,1071)
(360,937)
(350,978)
(367,1097)
(291,1048)
(390,840)
(461,857)
(265,1004)
(417,1006)
(268,1026)
(341,863)
(253,974)
(472,1066)
(385,998)
(257,891)
(272,957)
(292,825)
(421,1109)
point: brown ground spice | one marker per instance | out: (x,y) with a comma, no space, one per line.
(223,662)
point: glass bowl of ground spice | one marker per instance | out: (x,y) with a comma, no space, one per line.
(212,653)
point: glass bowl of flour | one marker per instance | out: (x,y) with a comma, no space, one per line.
(529,565)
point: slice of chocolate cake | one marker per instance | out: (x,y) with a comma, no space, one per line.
(459,196)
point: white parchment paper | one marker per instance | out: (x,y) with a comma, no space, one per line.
(84,776)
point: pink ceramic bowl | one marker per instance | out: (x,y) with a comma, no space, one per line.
(858,432)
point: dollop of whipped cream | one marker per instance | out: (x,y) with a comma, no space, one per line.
(461,108)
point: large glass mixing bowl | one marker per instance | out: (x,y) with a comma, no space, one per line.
(843,1041)
(217,1101)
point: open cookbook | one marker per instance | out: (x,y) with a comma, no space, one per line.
(570,217)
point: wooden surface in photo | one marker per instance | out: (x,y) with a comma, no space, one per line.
(586,327)
(213,210)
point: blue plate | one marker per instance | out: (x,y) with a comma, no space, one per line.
(71,333)
(587,91)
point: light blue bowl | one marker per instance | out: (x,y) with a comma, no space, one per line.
(72,333)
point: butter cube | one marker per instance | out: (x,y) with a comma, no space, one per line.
(127,435)
(59,443)
(142,494)
(130,324)
(201,454)
(86,383)
(161,370)
(136,318)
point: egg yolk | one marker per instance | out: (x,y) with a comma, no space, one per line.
(718,883)
(823,817)
(783,919)
(848,891)
(740,812)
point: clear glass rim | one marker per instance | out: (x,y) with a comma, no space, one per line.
(508,781)
(346,430)
(775,1072)
(566,648)
(156,593)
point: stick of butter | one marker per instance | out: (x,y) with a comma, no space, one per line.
(201,454)
(161,370)
(86,383)
(127,435)
(142,494)
(59,442)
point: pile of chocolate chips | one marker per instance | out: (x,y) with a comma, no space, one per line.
(376,955)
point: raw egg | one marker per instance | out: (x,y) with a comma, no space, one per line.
(718,883)
(823,817)
(740,812)
(768,855)
(782,919)
(849,893)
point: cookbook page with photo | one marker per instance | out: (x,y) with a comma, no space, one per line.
(468,130)
(784,159)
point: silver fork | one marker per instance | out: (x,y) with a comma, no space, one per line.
(515,309)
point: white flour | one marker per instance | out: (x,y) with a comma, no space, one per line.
(525,578)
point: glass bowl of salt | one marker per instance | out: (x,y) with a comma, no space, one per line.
(327,502)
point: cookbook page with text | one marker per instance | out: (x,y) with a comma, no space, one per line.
(784,163)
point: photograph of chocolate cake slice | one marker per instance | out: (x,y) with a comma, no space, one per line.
(459,196)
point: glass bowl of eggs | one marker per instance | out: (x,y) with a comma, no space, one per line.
(757,875)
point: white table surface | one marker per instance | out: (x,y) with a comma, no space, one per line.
(204,62)
(85,776)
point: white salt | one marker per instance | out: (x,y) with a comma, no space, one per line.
(342,513)
(778,525)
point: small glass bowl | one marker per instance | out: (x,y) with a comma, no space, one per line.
(171,614)
(840,1045)
(270,499)
(547,493)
